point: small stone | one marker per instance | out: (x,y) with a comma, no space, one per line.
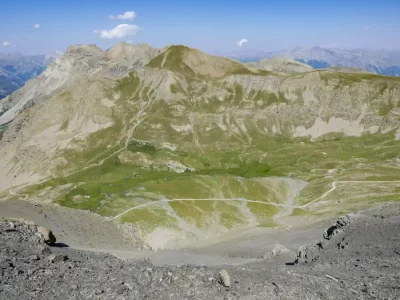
(40,238)
(46,251)
(33,257)
(74,287)
(99,292)
(279,249)
(122,290)
(224,278)
(57,258)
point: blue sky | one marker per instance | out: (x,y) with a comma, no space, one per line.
(213,26)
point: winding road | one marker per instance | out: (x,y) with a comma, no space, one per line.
(334,186)
(207,199)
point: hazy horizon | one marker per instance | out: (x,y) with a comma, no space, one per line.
(244,51)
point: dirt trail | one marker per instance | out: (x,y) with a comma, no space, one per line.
(208,199)
(334,186)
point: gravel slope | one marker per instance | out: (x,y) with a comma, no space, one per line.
(75,228)
(358,257)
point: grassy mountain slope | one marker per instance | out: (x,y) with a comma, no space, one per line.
(193,63)
(181,125)
(281,65)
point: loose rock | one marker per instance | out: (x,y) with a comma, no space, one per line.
(279,249)
(57,258)
(367,268)
(224,278)
(47,234)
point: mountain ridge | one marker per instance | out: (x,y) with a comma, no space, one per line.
(123,131)
(382,62)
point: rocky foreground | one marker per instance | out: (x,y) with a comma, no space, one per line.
(358,257)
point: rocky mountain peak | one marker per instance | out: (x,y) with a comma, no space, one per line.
(124,51)
(83,49)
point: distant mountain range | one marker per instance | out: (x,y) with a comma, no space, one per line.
(383,62)
(16,69)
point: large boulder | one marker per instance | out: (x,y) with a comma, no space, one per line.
(47,235)
(307,254)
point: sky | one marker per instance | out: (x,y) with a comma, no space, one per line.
(218,26)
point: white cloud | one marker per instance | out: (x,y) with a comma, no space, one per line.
(129,15)
(36,26)
(6,44)
(120,31)
(333,45)
(242,42)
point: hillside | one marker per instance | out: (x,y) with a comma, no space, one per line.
(188,146)
(281,65)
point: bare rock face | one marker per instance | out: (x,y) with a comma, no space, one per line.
(47,235)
